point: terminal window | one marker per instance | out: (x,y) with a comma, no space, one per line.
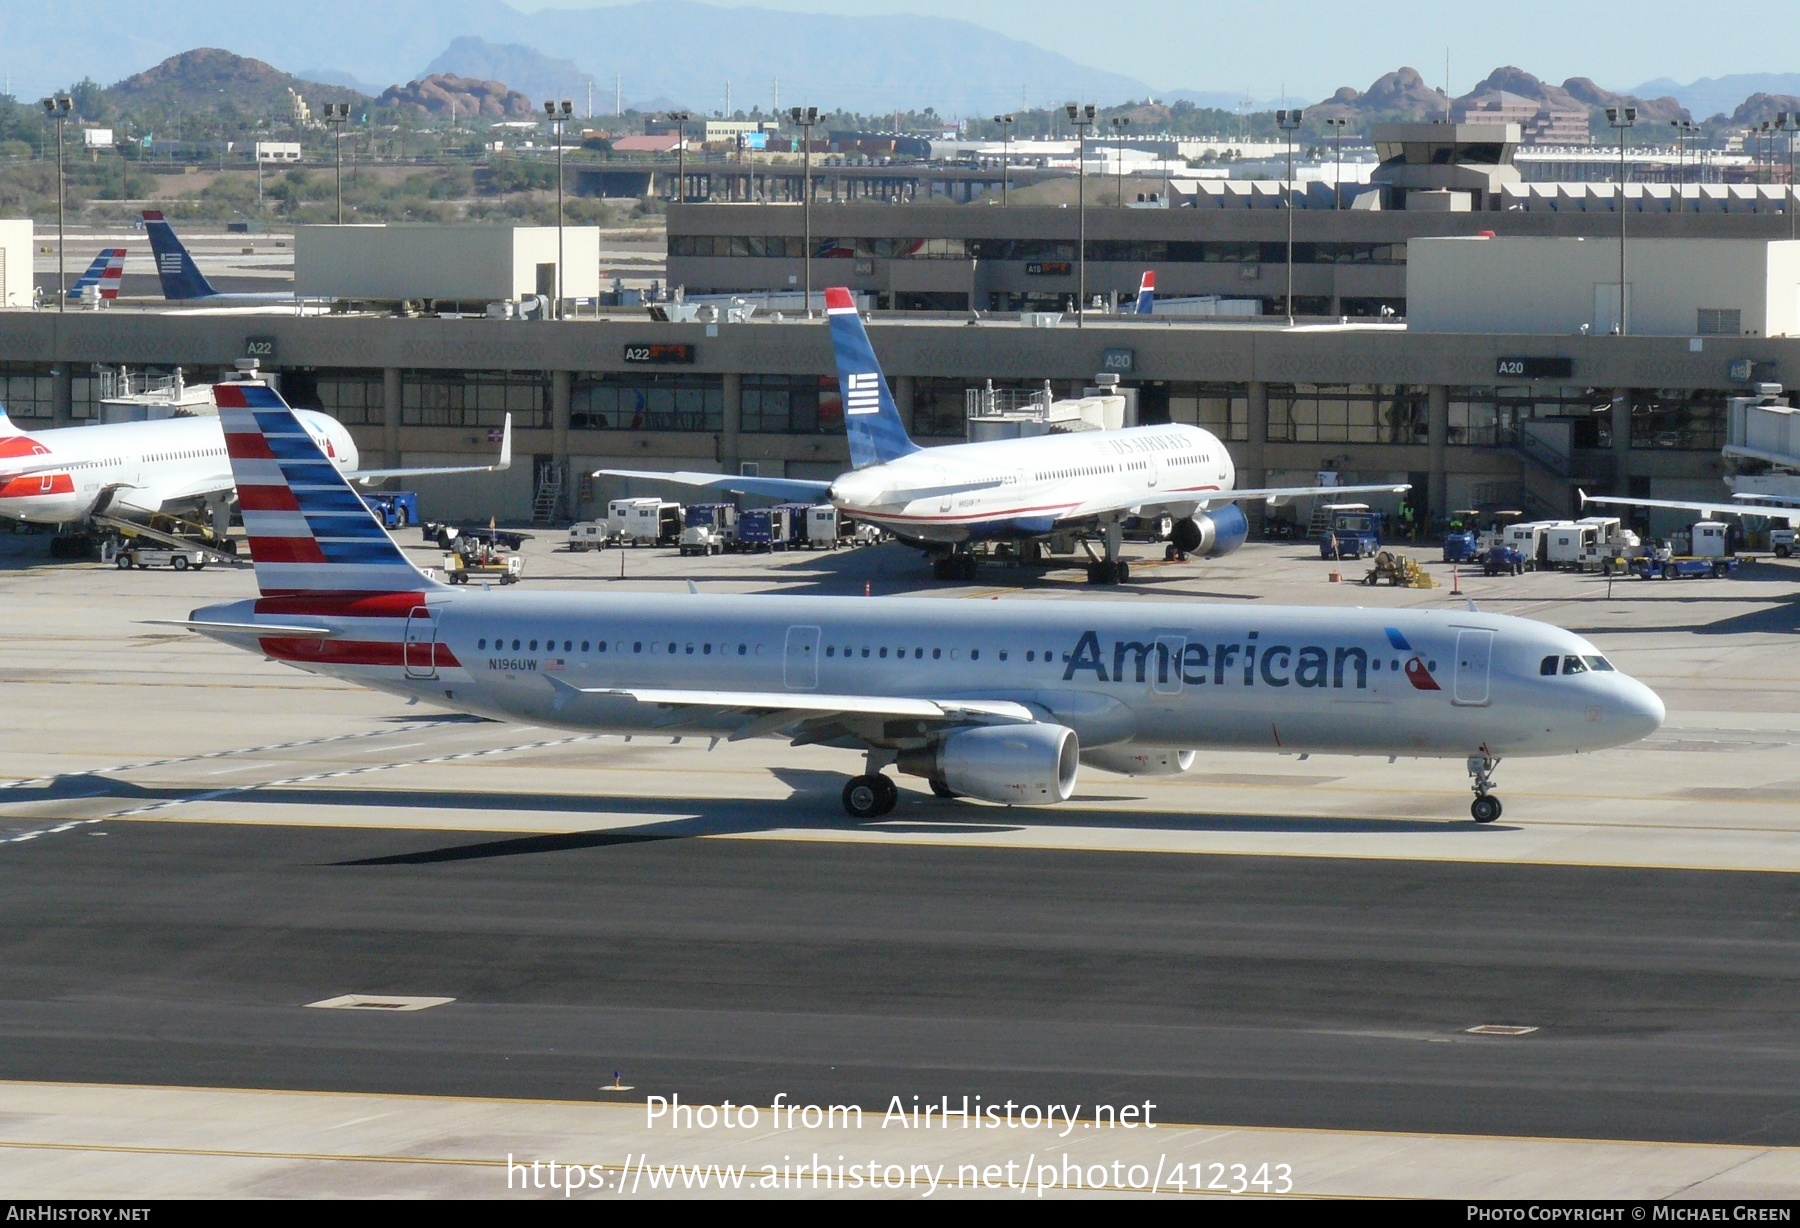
(475,398)
(1491,417)
(353,397)
(1348,413)
(640,401)
(791,405)
(1678,419)
(1223,409)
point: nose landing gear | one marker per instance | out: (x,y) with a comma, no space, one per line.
(1486,807)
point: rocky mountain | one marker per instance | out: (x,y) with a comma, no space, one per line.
(448,95)
(1711,96)
(1396,96)
(526,69)
(1759,107)
(207,78)
(678,49)
(1656,110)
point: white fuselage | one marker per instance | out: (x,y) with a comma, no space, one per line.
(133,468)
(1044,481)
(1162,674)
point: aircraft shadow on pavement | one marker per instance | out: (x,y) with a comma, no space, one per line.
(1780,619)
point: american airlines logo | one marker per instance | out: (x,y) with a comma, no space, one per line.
(864,396)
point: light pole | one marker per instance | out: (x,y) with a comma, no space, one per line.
(680,120)
(1082,117)
(337,114)
(1622,118)
(1289,123)
(1685,130)
(1786,125)
(1337,146)
(1006,131)
(804,119)
(59,109)
(557,120)
(1119,124)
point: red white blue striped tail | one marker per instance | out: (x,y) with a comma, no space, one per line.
(310,532)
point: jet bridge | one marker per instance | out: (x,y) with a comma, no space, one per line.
(1762,444)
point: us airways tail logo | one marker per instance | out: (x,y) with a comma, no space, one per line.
(1417,672)
(864,392)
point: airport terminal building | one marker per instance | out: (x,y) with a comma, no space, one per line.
(1471,419)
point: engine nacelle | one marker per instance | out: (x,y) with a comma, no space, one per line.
(1211,534)
(1139,760)
(1016,765)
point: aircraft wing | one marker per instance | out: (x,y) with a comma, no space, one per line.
(768,711)
(773,488)
(1789,514)
(1275,496)
(505,462)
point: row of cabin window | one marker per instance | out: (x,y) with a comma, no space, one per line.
(1574,665)
(188,455)
(637,646)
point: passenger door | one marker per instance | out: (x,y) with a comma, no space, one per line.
(1474,649)
(419,650)
(800,660)
(1166,678)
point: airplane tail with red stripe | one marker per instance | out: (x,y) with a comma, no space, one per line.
(310,532)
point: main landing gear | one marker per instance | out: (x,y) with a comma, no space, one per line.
(870,796)
(959,566)
(1111,569)
(1486,807)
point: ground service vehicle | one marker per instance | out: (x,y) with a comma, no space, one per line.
(589,535)
(1354,532)
(395,509)
(1501,559)
(143,557)
(652,522)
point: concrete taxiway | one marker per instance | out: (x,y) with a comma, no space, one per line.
(198,844)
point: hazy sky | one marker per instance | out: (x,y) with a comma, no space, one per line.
(1314,46)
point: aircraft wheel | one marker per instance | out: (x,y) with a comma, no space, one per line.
(1124,572)
(123,562)
(1485,809)
(1170,553)
(940,569)
(1103,573)
(870,797)
(943,790)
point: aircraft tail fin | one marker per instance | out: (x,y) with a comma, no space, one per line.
(1146,299)
(871,419)
(310,532)
(106,271)
(181,277)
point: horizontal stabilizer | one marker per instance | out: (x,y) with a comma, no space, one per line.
(194,624)
(772,488)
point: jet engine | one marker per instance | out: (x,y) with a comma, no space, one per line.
(1139,760)
(1213,533)
(1016,765)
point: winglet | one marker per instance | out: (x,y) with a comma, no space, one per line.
(505,446)
(1583,494)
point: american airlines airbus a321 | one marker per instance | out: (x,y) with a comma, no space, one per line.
(1002,701)
(134,469)
(1083,483)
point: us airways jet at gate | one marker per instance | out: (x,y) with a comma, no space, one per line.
(1083,484)
(1004,703)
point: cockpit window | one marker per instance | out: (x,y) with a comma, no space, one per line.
(1574,665)
(1599,663)
(1547,667)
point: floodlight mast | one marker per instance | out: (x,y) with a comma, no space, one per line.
(1082,116)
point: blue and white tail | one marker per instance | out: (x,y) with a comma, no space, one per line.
(107,271)
(871,420)
(1146,299)
(181,277)
(310,533)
